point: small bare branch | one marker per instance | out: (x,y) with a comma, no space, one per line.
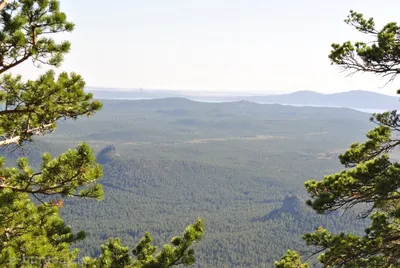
(16,139)
(10,141)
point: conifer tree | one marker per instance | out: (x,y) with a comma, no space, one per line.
(179,252)
(369,176)
(32,234)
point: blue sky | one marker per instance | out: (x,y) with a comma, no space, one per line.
(217,45)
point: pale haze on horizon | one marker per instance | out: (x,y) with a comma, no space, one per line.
(217,46)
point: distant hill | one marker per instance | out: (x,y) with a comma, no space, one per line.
(184,107)
(357,99)
(352,99)
(290,205)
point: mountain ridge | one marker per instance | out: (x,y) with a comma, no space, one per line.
(360,99)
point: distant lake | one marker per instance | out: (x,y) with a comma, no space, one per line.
(369,111)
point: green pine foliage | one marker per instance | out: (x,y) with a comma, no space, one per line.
(291,260)
(32,234)
(113,254)
(370,176)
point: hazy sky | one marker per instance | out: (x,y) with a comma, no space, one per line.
(217,45)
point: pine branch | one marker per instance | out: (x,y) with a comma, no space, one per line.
(15,63)
(16,139)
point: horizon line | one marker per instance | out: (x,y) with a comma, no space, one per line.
(244,92)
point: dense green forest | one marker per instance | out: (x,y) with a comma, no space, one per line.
(241,166)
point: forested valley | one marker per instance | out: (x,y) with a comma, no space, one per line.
(240,166)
